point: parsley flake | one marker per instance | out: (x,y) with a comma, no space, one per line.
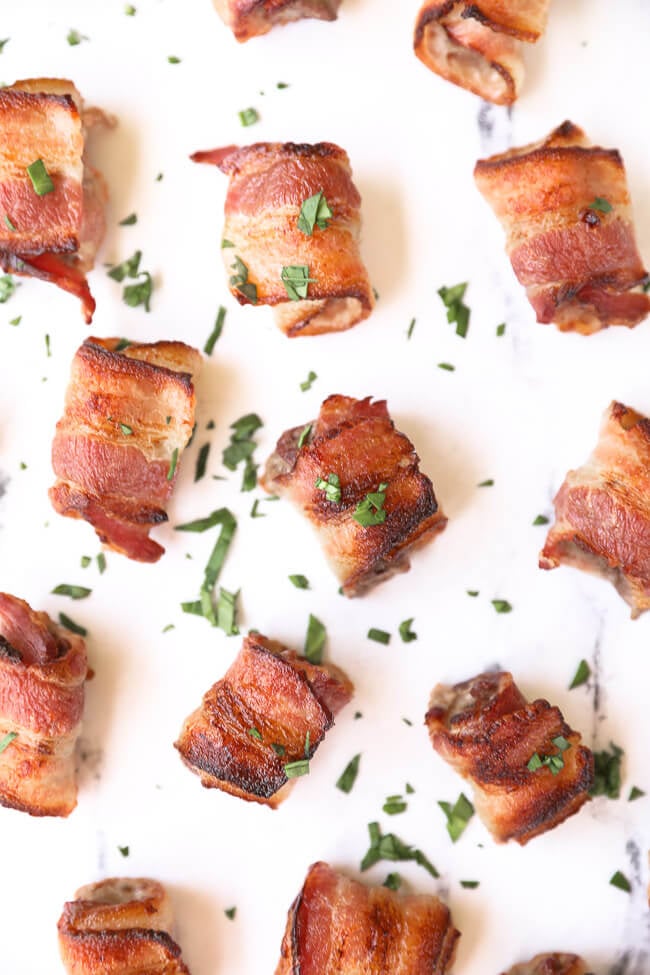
(72,626)
(239,281)
(314,212)
(331,486)
(348,777)
(249,116)
(41,180)
(307,383)
(379,636)
(540,520)
(502,606)
(635,793)
(74,592)
(553,762)
(300,582)
(390,847)
(607,779)
(304,436)
(296,281)
(458,816)
(457,311)
(406,632)
(124,850)
(620,880)
(7,288)
(582,675)
(74,37)
(7,740)
(215,334)
(601,204)
(370,511)
(314,640)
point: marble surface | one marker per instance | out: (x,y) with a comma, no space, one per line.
(519,409)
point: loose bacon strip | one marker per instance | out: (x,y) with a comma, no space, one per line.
(54,237)
(339,927)
(129,413)
(271,708)
(577,263)
(269,182)
(42,672)
(120,926)
(551,965)
(478,45)
(249,18)
(357,441)
(602,511)
(488,733)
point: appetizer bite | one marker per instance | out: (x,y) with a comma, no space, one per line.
(358,481)
(565,207)
(550,965)
(479,45)
(337,926)
(43,668)
(51,200)
(120,926)
(291,236)
(248,18)
(527,766)
(258,728)
(129,414)
(602,510)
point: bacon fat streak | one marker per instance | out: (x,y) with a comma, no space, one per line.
(565,208)
(337,926)
(43,668)
(249,18)
(120,926)
(553,964)
(488,732)
(357,441)
(129,413)
(271,708)
(269,182)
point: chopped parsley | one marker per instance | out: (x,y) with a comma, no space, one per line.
(348,776)
(553,762)
(172,59)
(3,43)
(74,37)
(447,366)
(101,563)
(393,881)
(472,592)
(7,740)
(390,847)
(488,483)
(126,429)
(331,486)
(379,636)
(406,632)
(314,640)
(215,334)
(130,10)
(226,243)
(300,582)
(469,884)
(9,224)
(254,733)
(582,675)
(124,850)
(16,321)
(620,880)
(502,606)
(294,770)
(129,221)
(254,510)
(85,561)
(501,330)
(74,592)
(173,463)
(635,793)
(370,511)
(457,311)
(607,779)
(249,116)
(48,347)
(314,212)
(241,448)
(304,435)
(296,281)
(458,816)
(540,520)
(41,180)
(7,288)
(225,611)
(138,293)
(239,281)
(72,626)
(395,805)
(409,332)
(601,204)
(230,913)
(201,462)
(307,383)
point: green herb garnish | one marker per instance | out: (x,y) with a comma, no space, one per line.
(254,733)
(393,881)
(406,632)
(541,520)
(395,805)
(409,332)
(249,116)
(635,793)
(242,447)
(457,311)
(300,582)
(620,880)
(314,640)
(348,777)
(129,221)
(7,740)
(230,913)
(469,884)
(74,37)
(307,383)
(201,462)
(331,486)
(172,59)
(296,281)
(214,335)
(101,563)
(304,434)
(607,779)
(7,288)
(294,770)
(487,483)
(370,511)
(582,675)
(72,626)
(8,223)
(553,762)
(239,281)
(458,816)
(40,178)
(204,607)
(74,592)
(447,366)
(173,463)
(314,212)
(501,330)
(379,636)
(124,850)
(390,847)
(502,605)
(601,204)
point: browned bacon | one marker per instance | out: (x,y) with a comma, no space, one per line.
(248,18)
(271,709)
(550,965)
(43,668)
(120,926)
(565,207)
(53,237)
(488,732)
(129,413)
(339,927)
(357,441)
(602,511)
(478,45)
(269,182)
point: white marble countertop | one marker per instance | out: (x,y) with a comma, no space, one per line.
(520,409)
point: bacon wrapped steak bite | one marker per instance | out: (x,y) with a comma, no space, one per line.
(565,207)
(337,926)
(129,413)
(602,510)
(119,926)
(478,45)
(270,711)
(527,766)
(43,668)
(553,964)
(378,507)
(52,221)
(249,18)
(316,281)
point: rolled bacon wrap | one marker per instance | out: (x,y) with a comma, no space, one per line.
(488,732)
(129,414)
(478,45)
(43,668)
(554,964)
(249,18)
(356,440)
(269,182)
(54,237)
(271,709)
(337,926)
(602,510)
(119,926)
(565,207)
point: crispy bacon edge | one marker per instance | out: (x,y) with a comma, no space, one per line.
(337,925)
(334,443)
(119,926)
(602,520)
(579,265)
(268,183)
(43,668)
(550,964)
(252,18)
(487,731)
(266,683)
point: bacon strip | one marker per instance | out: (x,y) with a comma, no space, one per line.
(269,182)
(43,668)
(553,964)
(602,510)
(339,927)
(250,18)
(478,45)
(53,237)
(488,733)
(271,708)
(117,480)
(357,441)
(577,263)
(119,926)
